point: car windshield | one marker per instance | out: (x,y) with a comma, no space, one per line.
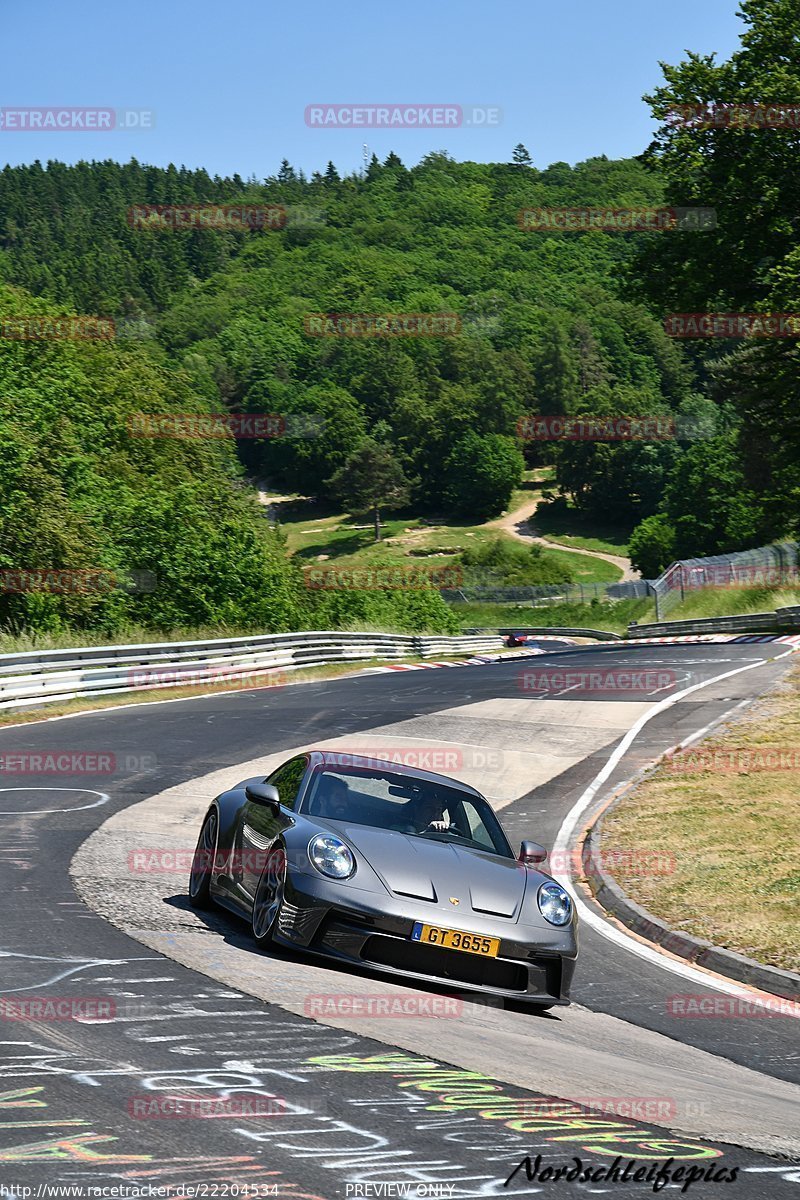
(389,800)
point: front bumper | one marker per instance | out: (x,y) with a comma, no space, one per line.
(357,927)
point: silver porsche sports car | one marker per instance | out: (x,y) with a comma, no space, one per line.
(391,868)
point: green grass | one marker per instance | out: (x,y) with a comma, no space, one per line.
(134,635)
(732,602)
(615,616)
(609,617)
(531,487)
(585,569)
(338,536)
(409,541)
(574,528)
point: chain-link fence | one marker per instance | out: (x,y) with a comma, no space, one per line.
(543,595)
(768,566)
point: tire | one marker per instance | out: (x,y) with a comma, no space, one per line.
(200,876)
(269,898)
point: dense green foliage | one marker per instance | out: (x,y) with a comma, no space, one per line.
(481,472)
(78,492)
(503,563)
(370,479)
(744,484)
(546,324)
(551,322)
(164,529)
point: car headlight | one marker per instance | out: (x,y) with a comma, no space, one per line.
(331,856)
(555,904)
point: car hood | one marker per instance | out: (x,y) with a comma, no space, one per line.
(441,872)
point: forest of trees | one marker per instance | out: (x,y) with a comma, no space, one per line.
(567,323)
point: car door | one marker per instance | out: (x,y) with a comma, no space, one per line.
(261,825)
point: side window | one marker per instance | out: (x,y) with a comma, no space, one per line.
(477,829)
(287,780)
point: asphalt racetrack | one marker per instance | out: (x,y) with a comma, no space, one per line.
(173,1056)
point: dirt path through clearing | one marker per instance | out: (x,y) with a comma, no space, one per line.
(518,525)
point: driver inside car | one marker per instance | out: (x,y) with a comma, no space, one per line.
(423,814)
(332,800)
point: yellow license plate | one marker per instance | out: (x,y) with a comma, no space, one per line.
(456,939)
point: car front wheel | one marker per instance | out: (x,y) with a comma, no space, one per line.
(203,861)
(269,898)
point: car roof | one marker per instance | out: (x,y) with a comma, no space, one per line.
(330,758)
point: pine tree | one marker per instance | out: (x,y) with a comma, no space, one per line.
(521,157)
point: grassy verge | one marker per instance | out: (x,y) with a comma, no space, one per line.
(728,812)
(130,635)
(733,602)
(137,635)
(613,618)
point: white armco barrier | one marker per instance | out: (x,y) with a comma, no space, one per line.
(42,676)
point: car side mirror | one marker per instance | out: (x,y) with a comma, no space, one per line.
(263,793)
(531,854)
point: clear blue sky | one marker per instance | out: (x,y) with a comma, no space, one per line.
(229,80)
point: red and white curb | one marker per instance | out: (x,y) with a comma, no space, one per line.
(720,638)
(481,660)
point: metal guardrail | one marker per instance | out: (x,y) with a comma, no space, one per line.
(44,676)
(550,631)
(782,621)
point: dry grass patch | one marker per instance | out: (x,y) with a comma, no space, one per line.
(728,812)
